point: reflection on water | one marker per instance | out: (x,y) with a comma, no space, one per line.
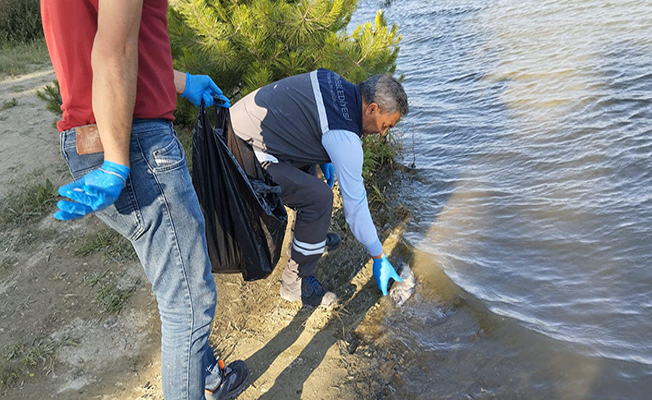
(534,144)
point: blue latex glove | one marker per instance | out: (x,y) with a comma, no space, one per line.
(202,87)
(94,191)
(329,173)
(383,272)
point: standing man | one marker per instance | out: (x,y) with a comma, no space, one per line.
(114,65)
(318,118)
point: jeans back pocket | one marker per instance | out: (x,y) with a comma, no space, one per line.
(171,156)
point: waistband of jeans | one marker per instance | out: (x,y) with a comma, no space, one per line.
(139,126)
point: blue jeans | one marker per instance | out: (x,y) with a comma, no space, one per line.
(159,213)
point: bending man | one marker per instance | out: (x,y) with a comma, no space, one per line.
(318,118)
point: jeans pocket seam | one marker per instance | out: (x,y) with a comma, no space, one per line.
(135,210)
(64,150)
(175,165)
(150,159)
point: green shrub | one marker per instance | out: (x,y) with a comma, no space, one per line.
(20,21)
(379,151)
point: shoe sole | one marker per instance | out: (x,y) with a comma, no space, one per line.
(237,393)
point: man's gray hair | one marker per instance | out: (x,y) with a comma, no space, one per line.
(385,91)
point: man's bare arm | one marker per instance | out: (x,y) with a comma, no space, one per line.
(114,60)
(179,81)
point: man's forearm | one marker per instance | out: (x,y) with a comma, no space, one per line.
(345,151)
(180,81)
(114,60)
(115,78)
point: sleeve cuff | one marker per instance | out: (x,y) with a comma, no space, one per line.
(375,248)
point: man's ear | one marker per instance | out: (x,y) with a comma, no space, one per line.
(372,109)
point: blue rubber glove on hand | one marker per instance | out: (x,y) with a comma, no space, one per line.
(383,272)
(329,173)
(94,191)
(202,87)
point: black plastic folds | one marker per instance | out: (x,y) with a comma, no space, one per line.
(245,218)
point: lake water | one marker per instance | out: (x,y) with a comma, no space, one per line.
(532,197)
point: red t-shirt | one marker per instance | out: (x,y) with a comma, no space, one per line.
(70,28)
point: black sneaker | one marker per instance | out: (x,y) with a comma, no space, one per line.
(235,378)
(333,242)
(314,295)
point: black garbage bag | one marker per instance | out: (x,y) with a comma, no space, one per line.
(245,218)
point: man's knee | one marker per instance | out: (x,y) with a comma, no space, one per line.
(323,198)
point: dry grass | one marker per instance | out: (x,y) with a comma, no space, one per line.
(21,58)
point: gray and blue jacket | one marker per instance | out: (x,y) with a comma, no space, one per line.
(313,118)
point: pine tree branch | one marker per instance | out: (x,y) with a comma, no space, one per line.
(200,21)
(305,15)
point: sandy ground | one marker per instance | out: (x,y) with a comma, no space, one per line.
(59,341)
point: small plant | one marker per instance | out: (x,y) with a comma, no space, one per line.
(51,95)
(379,151)
(8,263)
(379,154)
(112,299)
(21,361)
(29,204)
(9,104)
(8,376)
(58,276)
(109,297)
(114,246)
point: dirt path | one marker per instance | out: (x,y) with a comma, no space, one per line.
(78,319)
(58,289)
(29,141)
